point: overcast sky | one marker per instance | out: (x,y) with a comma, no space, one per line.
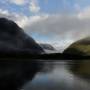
(58,22)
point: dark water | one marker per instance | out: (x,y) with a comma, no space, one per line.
(56,76)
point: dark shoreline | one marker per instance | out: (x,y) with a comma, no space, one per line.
(26,55)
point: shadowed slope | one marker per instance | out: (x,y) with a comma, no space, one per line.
(13,37)
(13,74)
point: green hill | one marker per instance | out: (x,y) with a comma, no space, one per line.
(80,47)
(80,67)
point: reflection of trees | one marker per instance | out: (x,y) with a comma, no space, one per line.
(81,68)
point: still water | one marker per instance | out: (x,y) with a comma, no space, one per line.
(56,76)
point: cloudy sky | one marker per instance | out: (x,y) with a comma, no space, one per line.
(58,22)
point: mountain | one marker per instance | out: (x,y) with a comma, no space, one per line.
(12,37)
(15,72)
(80,47)
(47,47)
(81,67)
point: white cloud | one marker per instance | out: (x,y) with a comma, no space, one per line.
(34,6)
(20,19)
(61,29)
(18,2)
(4,12)
(15,17)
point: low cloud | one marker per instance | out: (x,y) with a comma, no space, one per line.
(61,29)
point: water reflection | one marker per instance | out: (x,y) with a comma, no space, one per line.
(14,73)
(56,76)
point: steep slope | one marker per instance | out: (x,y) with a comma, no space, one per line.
(15,73)
(12,37)
(80,47)
(80,67)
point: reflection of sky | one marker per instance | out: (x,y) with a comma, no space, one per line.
(58,79)
(42,78)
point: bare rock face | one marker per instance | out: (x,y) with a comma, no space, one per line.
(13,74)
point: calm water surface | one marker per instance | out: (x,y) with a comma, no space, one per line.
(56,76)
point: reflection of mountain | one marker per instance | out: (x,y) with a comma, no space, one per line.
(14,73)
(58,78)
(81,68)
(80,47)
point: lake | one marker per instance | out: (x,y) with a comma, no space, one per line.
(56,75)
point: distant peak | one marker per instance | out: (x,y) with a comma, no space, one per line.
(47,46)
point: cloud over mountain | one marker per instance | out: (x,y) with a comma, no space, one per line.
(60,29)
